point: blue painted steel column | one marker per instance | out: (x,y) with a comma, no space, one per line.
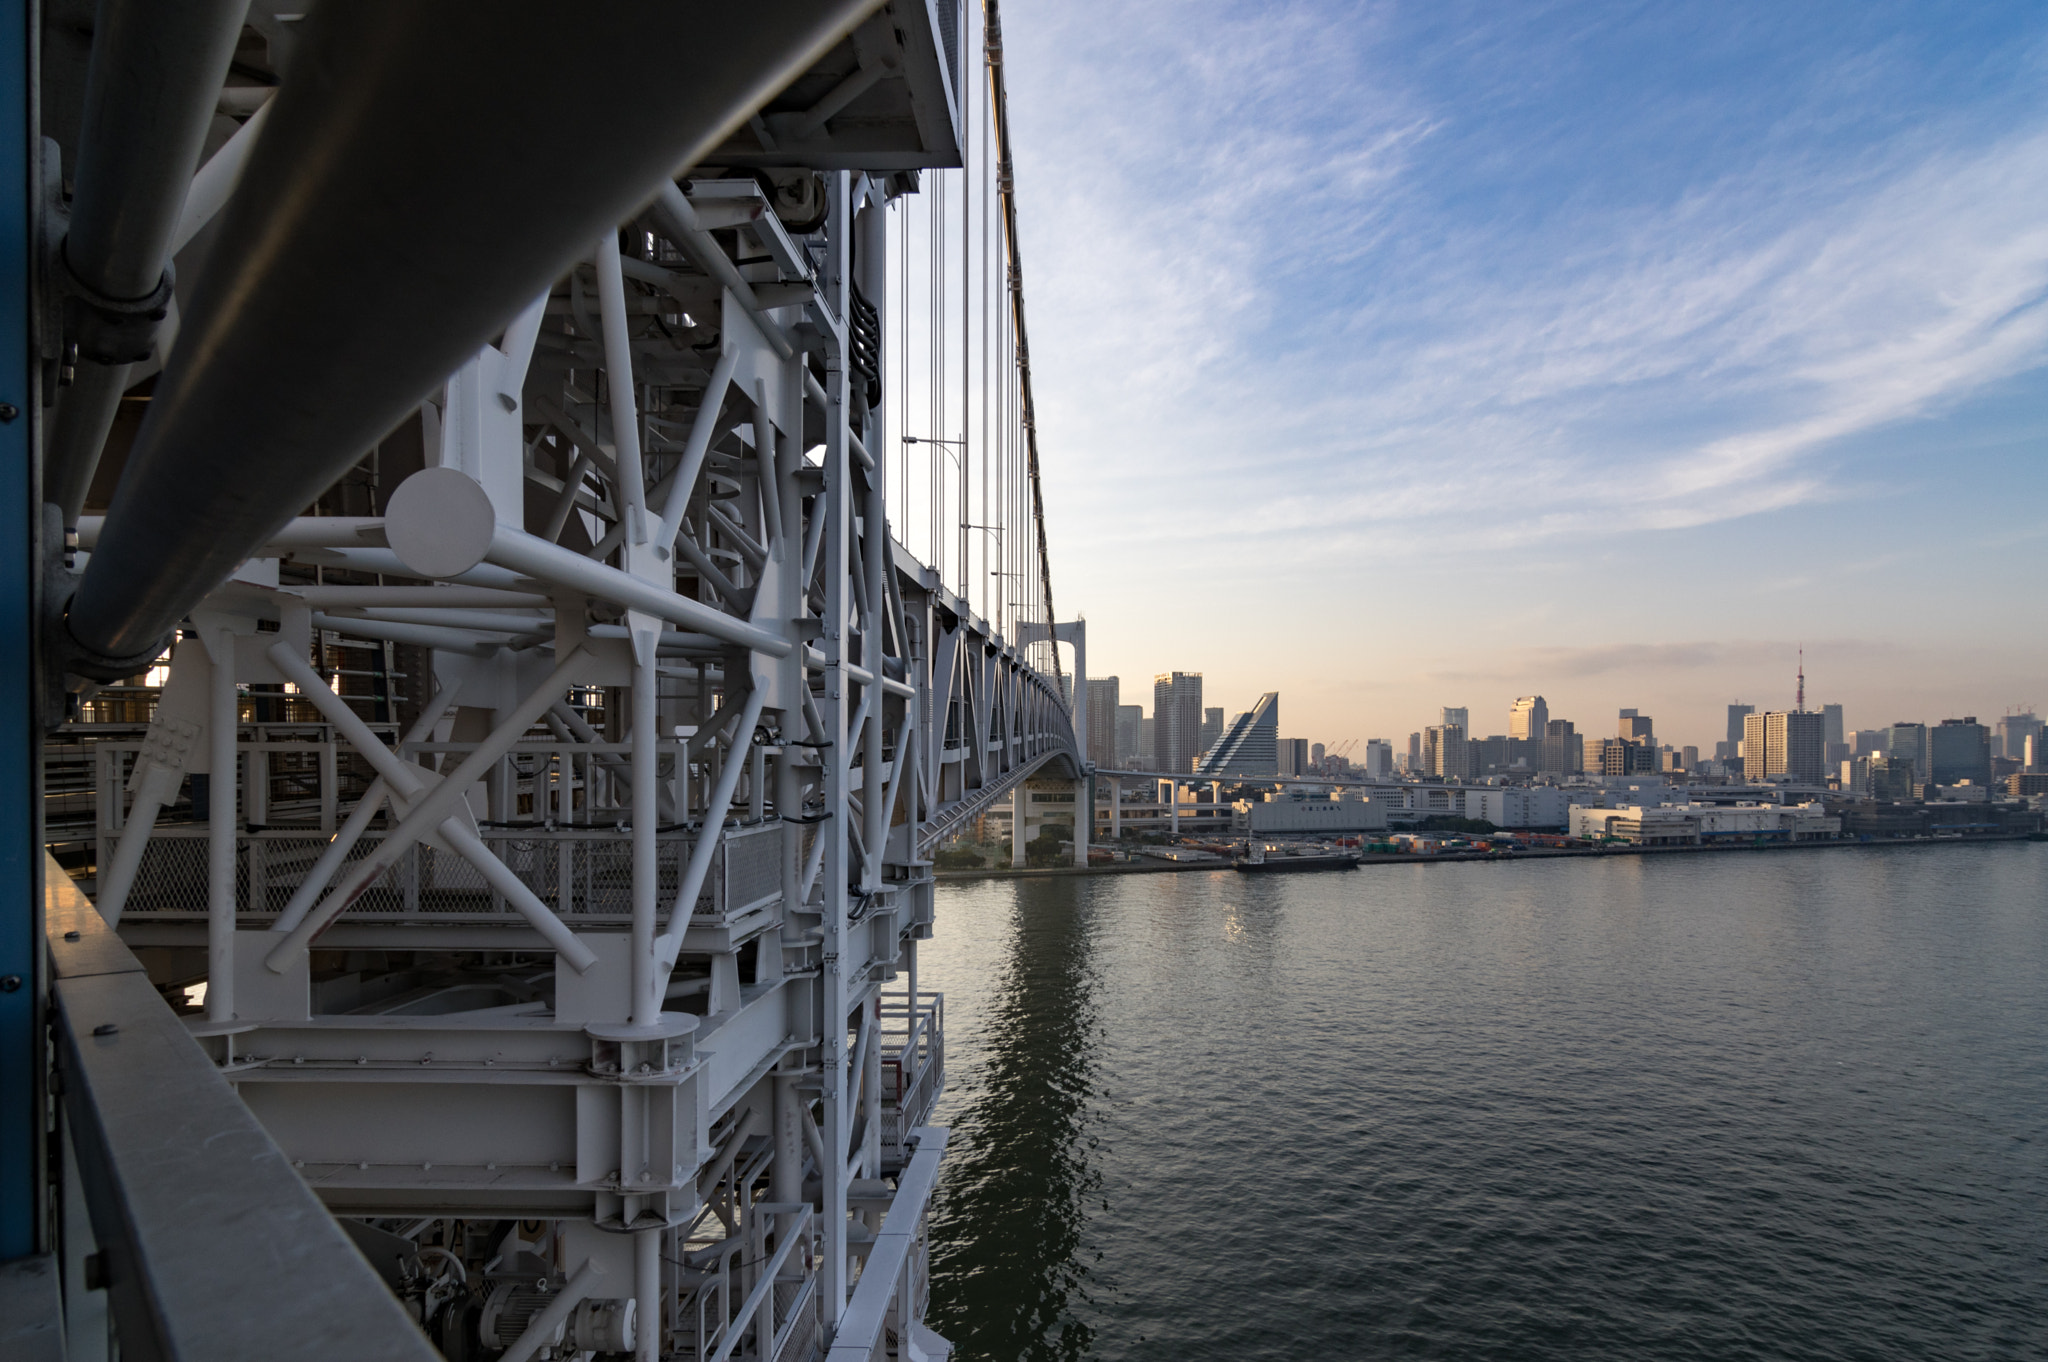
(20,904)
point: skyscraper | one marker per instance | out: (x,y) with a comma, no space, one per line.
(1527,718)
(1251,745)
(1562,754)
(1634,727)
(2012,735)
(1460,716)
(1379,759)
(1789,743)
(1444,751)
(1102,718)
(1892,778)
(1212,729)
(1906,742)
(1132,748)
(1414,754)
(1736,714)
(1959,750)
(1176,722)
(1833,736)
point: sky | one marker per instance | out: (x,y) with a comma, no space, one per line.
(1402,355)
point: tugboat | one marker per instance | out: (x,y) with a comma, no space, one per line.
(1255,860)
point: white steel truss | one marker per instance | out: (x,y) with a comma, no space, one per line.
(581,978)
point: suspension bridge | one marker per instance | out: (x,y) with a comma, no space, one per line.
(532,528)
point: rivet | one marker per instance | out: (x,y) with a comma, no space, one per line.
(106,1029)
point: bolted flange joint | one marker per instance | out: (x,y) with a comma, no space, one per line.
(111,330)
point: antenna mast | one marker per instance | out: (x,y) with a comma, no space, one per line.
(1800,702)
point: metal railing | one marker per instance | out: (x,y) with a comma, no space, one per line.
(888,1300)
(913,1068)
(208,1244)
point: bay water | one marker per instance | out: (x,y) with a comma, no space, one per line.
(1783,1104)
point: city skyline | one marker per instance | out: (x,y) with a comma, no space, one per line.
(1730,302)
(1674,731)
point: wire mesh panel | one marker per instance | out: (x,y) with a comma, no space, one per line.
(577,872)
(753,868)
(796,1305)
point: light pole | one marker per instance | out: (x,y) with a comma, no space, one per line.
(958,449)
(998,572)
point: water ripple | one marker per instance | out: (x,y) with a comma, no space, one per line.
(1782,1106)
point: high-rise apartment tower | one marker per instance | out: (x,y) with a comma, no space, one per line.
(1791,744)
(1176,722)
(1103,695)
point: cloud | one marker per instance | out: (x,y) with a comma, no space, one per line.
(1644,660)
(1264,322)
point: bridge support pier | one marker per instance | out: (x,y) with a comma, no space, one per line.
(1036,803)
(1084,818)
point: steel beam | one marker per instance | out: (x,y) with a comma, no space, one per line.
(549,126)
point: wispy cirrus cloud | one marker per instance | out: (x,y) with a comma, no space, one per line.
(1283,304)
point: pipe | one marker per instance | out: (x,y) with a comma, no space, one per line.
(425,635)
(223,720)
(490,620)
(155,73)
(350,276)
(618,374)
(685,479)
(304,532)
(217,179)
(572,488)
(389,564)
(158,787)
(647,1293)
(646,1003)
(531,556)
(453,597)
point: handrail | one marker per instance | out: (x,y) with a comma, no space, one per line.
(861,1326)
(789,1237)
(211,1246)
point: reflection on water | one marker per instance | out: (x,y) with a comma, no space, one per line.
(1007,1220)
(1771,1106)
